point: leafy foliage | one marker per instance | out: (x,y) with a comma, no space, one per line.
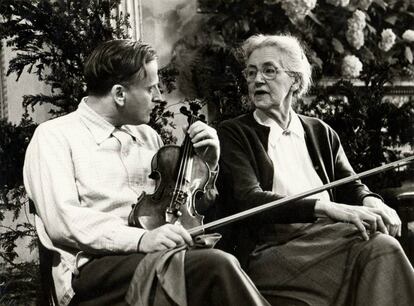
(16,278)
(53,38)
(160,120)
(19,283)
(323,30)
(13,142)
(370,125)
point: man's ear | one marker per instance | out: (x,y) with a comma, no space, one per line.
(118,94)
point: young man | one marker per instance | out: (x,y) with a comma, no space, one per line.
(84,170)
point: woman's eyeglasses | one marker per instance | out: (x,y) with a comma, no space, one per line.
(269,72)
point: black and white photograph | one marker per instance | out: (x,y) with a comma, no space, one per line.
(206,152)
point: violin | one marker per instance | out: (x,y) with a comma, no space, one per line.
(181,177)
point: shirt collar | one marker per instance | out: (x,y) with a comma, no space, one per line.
(295,126)
(97,125)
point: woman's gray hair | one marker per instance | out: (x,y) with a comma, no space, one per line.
(294,59)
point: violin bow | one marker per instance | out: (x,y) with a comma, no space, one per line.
(281,202)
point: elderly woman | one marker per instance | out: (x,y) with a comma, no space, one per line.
(333,248)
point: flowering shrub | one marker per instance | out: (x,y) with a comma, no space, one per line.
(351,66)
(297,9)
(378,32)
(371,40)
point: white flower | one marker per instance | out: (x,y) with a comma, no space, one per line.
(351,66)
(354,34)
(408,35)
(342,3)
(355,38)
(357,21)
(298,9)
(387,40)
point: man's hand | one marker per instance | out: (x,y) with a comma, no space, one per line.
(362,217)
(164,237)
(394,225)
(206,143)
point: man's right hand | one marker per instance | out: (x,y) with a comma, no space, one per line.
(164,237)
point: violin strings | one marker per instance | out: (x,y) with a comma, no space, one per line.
(183,165)
(184,160)
(187,155)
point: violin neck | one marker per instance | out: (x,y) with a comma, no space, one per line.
(187,152)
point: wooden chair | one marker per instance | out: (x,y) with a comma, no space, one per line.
(405,208)
(47,295)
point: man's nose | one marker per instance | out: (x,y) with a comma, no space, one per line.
(157,96)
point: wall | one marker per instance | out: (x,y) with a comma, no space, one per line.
(163,23)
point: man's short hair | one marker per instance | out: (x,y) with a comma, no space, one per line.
(116,62)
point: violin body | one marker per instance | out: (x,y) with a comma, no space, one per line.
(176,192)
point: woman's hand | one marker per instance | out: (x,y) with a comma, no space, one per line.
(394,225)
(364,218)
